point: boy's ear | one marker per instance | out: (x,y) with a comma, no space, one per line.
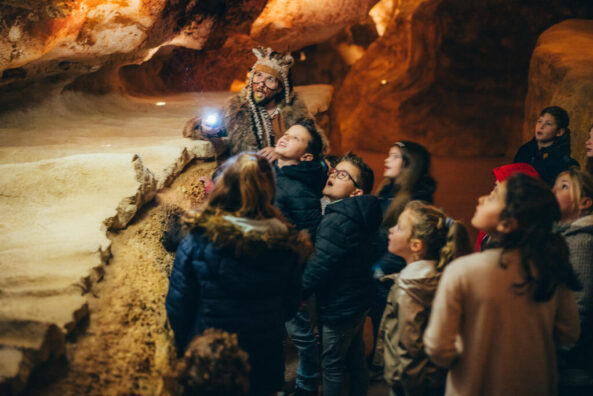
(560,132)
(507,226)
(416,245)
(307,157)
(357,192)
(585,203)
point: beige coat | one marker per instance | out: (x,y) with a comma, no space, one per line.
(495,341)
(404,321)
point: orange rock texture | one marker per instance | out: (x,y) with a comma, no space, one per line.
(449,74)
(561,73)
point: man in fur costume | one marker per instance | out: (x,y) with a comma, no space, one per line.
(259,115)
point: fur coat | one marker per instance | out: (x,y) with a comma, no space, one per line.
(239,124)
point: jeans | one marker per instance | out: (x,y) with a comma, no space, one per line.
(300,330)
(343,356)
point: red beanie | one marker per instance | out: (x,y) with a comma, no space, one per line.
(503,172)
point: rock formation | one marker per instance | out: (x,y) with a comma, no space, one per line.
(447,73)
(561,73)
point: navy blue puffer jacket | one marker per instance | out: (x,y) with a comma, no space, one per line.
(339,271)
(241,276)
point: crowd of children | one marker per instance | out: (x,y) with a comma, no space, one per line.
(298,247)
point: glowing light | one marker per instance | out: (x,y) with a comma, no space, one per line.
(211,119)
(160,103)
(383,82)
(303,56)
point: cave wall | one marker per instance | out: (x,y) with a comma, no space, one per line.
(449,74)
(561,73)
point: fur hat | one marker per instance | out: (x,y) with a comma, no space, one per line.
(275,64)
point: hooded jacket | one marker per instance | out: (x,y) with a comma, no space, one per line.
(298,191)
(549,161)
(339,271)
(402,327)
(579,238)
(242,276)
(239,125)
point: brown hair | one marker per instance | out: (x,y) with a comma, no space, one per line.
(581,187)
(214,364)
(246,188)
(444,239)
(415,170)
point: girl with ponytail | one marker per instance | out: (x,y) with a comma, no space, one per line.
(499,315)
(427,240)
(238,270)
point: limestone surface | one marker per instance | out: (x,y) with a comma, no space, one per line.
(561,73)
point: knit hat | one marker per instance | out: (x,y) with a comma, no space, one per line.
(503,172)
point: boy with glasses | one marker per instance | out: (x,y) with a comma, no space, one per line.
(339,273)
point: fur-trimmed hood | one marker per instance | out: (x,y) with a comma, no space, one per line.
(252,238)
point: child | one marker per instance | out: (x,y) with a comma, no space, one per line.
(499,315)
(339,273)
(427,240)
(299,175)
(239,270)
(300,178)
(589,151)
(574,192)
(549,150)
(406,177)
(501,173)
(214,365)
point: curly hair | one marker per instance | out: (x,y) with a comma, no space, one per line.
(214,365)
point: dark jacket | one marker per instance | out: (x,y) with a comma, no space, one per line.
(339,271)
(549,161)
(298,191)
(242,280)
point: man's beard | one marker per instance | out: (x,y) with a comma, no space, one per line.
(261,99)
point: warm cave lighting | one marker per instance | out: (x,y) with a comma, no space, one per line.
(160,103)
(383,82)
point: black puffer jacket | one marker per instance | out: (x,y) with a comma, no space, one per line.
(339,271)
(298,193)
(549,161)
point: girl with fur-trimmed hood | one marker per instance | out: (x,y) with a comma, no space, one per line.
(239,270)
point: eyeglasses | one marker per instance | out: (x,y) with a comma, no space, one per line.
(342,175)
(269,81)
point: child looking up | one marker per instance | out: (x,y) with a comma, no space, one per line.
(239,270)
(406,177)
(427,240)
(339,273)
(549,151)
(574,192)
(501,173)
(300,178)
(499,315)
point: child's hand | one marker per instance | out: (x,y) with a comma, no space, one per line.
(268,153)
